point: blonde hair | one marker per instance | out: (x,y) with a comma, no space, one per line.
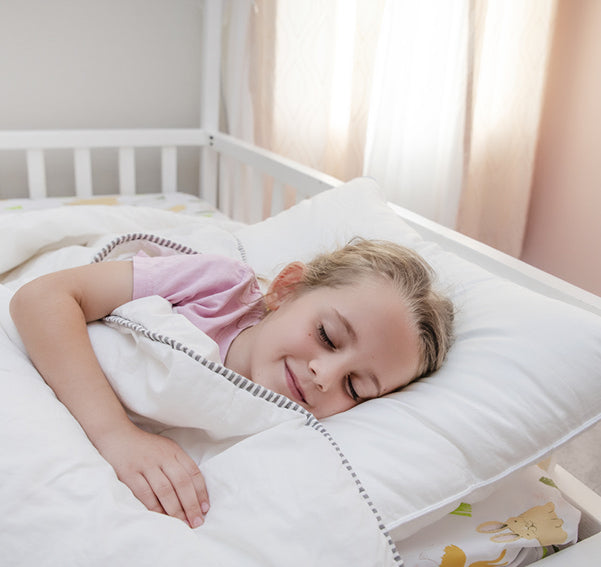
(410,275)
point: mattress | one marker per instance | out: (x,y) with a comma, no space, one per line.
(176,202)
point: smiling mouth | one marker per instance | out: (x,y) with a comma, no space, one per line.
(294,386)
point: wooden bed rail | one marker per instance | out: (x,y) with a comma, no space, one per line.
(284,172)
(82,142)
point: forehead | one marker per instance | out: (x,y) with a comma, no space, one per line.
(385,331)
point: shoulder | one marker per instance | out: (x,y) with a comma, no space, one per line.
(222,265)
(192,274)
(201,261)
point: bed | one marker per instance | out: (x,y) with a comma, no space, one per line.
(450,471)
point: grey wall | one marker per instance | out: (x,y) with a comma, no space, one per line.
(99,64)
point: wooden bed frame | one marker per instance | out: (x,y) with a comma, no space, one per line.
(283,173)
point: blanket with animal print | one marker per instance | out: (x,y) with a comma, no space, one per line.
(524,521)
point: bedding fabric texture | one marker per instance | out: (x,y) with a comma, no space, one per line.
(281,491)
(175,202)
(523,377)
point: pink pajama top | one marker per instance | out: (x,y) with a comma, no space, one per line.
(219,295)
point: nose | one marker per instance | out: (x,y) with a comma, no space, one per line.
(325,372)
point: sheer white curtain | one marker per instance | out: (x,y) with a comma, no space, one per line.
(315,73)
(311,80)
(416,125)
(438,100)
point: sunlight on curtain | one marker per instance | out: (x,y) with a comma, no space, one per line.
(313,63)
(342,76)
(416,123)
(512,45)
(438,100)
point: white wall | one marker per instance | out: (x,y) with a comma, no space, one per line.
(99,64)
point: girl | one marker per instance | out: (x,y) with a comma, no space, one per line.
(349,326)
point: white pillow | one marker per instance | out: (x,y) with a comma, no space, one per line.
(523,377)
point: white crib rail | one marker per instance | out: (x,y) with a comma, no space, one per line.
(283,172)
(82,142)
(306,180)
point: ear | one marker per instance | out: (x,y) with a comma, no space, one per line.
(491,527)
(284,284)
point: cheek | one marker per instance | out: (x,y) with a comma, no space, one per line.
(278,336)
(288,331)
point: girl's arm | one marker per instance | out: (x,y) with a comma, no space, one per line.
(51,314)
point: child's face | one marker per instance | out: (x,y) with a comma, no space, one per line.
(331,348)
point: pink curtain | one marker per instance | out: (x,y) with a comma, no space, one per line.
(511,46)
(311,84)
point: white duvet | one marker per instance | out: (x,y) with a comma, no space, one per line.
(282,492)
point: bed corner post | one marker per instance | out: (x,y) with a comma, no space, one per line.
(209,96)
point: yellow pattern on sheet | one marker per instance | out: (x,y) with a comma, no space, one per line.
(540,523)
(455,557)
(95,201)
(525,520)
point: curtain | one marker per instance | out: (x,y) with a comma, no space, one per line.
(418,106)
(512,42)
(438,100)
(311,79)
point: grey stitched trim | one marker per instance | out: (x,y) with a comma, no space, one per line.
(160,241)
(241,249)
(100,256)
(266,394)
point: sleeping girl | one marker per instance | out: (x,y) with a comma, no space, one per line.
(350,325)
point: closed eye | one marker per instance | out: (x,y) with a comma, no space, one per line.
(351,390)
(323,337)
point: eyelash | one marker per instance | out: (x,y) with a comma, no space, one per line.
(323,336)
(351,389)
(325,339)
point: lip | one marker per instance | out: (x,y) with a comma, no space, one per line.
(294,386)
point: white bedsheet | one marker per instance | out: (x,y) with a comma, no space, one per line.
(282,492)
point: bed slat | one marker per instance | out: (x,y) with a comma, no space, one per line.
(36,174)
(224,197)
(236,204)
(127,171)
(257,193)
(83,172)
(277,197)
(169,169)
(208,175)
(283,169)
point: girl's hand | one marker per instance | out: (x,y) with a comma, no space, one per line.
(159,473)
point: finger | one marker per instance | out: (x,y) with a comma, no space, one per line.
(165,493)
(144,493)
(198,481)
(185,489)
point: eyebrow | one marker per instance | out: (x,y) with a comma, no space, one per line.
(347,325)
(353,336)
